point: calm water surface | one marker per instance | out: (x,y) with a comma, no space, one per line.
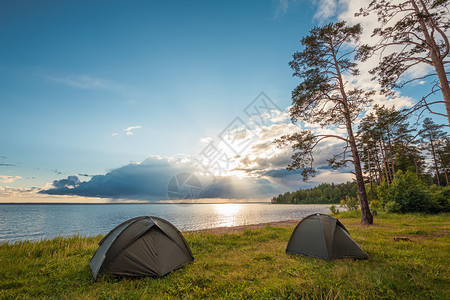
(33,222)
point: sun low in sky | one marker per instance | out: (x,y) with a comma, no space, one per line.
(112,99)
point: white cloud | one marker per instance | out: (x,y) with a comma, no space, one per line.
(282,7)
(86,82)
(206,140)
(325,10)
(8,179)
(332,176)
(129,131)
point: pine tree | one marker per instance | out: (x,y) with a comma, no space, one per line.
(433,140)
(324,97)
(416,30)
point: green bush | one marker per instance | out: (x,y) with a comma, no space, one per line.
(351,203)
(392,206)
(382,193)
(405,194)
(374,205)
(334,210)
(440,197)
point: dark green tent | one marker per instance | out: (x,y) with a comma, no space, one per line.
(143,246)
(324,237)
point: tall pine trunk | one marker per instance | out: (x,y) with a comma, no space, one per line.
(435,162)
(366,215)
(370,175)
(436,58)
(386,156)
(417,168)
(388,179)
(444,167)
(391,155)
(380,172)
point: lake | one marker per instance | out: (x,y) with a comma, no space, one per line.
(42,221)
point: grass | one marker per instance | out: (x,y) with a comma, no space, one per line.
(251,264)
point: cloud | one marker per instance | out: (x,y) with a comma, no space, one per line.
(71,181)
(3,162)
(149,180)
(85,175)
(8,179)
(332,176)
(56,171)
(206,140)
(281,7)
(263,156)
(86,82)
(128,130)
(325,10)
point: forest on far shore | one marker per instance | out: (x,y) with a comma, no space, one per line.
(324,193)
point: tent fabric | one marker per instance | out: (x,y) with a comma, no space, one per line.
(324,237)
(143,246)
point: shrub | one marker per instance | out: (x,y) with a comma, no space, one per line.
(334,210)
(382,193)
(440,197)
(375,205)
(392,206)
(351,203)
(408,194)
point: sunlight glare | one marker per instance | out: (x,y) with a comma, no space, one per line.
(227,213)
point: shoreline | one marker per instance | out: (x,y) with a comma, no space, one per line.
(240,228)
(214,230)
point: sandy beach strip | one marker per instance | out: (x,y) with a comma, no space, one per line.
(240,228)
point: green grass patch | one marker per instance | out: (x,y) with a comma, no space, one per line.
(249,265)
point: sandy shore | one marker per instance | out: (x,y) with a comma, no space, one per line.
(237,229)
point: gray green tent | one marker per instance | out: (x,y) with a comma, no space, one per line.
(143,246)
(324,237)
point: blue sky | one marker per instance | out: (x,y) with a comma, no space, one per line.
(74,76)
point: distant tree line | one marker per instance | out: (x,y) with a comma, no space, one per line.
(324,193)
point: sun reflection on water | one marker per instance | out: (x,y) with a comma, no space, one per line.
(227,213)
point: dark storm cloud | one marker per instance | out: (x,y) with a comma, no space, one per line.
(149,179)
(85,175)
(71,181)
(56,171)
(3,162)
(280,173)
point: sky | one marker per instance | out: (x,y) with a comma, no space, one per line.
(102,99)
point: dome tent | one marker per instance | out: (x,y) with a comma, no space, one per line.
(324,237)
(143,246)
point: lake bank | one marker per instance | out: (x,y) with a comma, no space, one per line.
(250,263)
(241,228)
